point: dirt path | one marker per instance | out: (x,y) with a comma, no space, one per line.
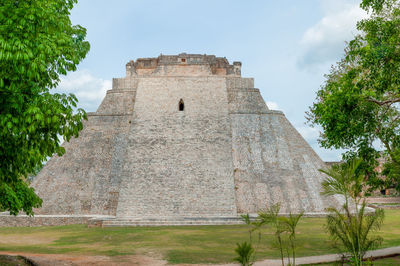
(71,260)
(81,260)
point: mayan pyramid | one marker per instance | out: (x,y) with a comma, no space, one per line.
(183,137)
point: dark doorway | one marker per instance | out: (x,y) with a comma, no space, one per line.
(181,105)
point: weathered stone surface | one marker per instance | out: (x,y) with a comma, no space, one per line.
(226,153)
(178,162)
(273,163)
(46,220)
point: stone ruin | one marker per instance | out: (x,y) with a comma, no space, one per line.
(182,139)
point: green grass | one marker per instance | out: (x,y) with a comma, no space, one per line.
(387,261)
(380,262)
(185,244)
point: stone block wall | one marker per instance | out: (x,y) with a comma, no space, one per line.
(83,180)
(140,156)
(246,101)
(7,220)
(179,163)
(274,164)
(117,102)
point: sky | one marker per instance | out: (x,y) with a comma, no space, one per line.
(286,46)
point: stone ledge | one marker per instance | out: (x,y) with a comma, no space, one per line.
(183,221)
(244,90)
(120,90)
(269,112)
(95,114)
(7,220)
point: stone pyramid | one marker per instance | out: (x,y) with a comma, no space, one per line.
(183,136)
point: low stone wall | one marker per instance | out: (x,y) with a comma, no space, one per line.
(383,200)
(7,220)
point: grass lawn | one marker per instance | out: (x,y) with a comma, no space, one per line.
(380,262)
(185,244)
(387,261)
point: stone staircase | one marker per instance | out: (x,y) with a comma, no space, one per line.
(162,221)
(114,221)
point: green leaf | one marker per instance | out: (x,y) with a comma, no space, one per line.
(37,45)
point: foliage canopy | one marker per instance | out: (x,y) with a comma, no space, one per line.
(37,44)
(359,102)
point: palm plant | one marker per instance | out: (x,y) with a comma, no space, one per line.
(270,216)
(245,252)
(252,227)
(246,219)
(285,230)
(291,224)
(350,226)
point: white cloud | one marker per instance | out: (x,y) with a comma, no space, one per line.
(324,42)
(310,134)
(273,106)
(89,90)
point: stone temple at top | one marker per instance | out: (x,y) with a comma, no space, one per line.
(182,138)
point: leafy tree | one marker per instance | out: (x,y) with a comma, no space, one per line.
(350,226)
(35,172)
(37,44)
(391,171)
(359,102)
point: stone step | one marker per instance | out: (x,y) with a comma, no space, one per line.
(176,218)
(170,223)
(158,225)
(166,221)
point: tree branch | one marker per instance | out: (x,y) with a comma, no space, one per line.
(380,103)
